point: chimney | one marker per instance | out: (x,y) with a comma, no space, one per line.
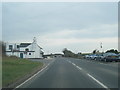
(34,40)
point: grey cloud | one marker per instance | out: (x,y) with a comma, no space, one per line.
(22,20)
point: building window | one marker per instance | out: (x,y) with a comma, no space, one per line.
(10,47)
(17,46)
(29,53)
(26,49)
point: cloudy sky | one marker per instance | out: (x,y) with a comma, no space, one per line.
(78,26)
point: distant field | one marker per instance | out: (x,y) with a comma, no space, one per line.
(15,68)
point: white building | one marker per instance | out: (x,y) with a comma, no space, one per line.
(24,50)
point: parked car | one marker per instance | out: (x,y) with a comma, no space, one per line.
(109,57)
(100,57)
(94,56)
(118,59)
(86,56)
(91,57)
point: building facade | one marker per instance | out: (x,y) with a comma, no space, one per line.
(24,50)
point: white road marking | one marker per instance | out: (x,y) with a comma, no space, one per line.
(92,76)
(73,64)
(32,76)
(103,64)
(98,82)
(69,61)
(79,67)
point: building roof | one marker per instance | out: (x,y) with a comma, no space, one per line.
(20,51)
(24,44)
(39,47)
(57,54)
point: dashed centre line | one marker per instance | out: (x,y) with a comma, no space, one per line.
(79,67)
(75,65)
(104,86)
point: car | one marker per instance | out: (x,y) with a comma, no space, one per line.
(94,56)
(86,56)
(109,57)
(118,59)
(100,57)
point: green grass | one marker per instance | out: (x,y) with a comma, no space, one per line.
(14,68)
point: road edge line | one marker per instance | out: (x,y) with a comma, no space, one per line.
(31,77)
(98,81)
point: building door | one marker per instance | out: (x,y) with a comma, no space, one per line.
(21,55)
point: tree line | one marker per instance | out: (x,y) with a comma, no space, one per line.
(69,53)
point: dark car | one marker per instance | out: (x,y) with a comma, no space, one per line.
(118,59)
(109,57)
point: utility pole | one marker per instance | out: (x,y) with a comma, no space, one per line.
(101,47)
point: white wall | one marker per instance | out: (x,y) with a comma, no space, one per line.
(14,46)
(22,48)
(29,56)
(13,54)
(34,47)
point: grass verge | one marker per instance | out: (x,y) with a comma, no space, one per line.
(14,68)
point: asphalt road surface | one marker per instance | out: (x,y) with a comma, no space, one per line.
(74,73)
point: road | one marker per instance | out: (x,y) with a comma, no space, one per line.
(74,73)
